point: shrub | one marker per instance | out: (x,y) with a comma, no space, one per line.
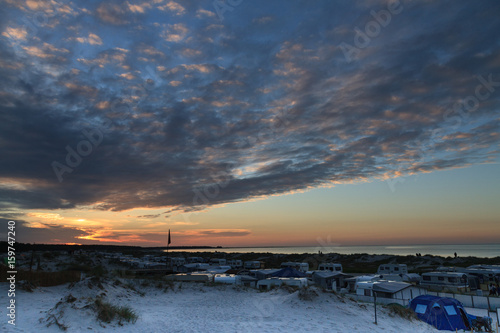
(107,312)
(307,294)
(169,285)
(42,279)
(70,299)
(401,311)
(79,267)
(130,286)
(290,289)
(48,255)
(98,271)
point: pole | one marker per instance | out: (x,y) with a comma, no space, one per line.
(375,304)
(168,244)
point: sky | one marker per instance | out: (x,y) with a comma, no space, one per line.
(250,123)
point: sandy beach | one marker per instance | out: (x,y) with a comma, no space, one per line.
(191,307)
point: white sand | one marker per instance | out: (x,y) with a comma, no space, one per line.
(192,307)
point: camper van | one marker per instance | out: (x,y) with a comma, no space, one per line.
(330,266)
(300,266)
(269,283)
(451,280)
(392,269)
(252,265)
(227,279)
(485,273)
(178,261)
(218,261)
(193,260)
(190,277)
(235,263)
(295,282)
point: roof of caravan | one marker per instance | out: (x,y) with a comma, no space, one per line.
(444,274)
(289,272)
(390,286)
(327,274)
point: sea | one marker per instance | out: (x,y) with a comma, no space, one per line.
(481,250)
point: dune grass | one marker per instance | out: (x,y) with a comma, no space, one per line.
(108,312)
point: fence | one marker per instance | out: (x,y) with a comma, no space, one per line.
(43,279)
(380,300)
(472,301)
(469,301)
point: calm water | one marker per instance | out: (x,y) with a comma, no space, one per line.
(484,250)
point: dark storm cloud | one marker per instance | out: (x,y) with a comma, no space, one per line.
(133,105)
(48,232)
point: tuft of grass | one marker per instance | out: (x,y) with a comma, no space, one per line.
(98,271)
(130,286)
(70,299)
(290,289)
(108,312)
(401,311)
(169,285)
(53,320)
(307,294)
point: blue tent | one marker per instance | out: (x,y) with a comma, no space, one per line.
(446,314)
(288,272)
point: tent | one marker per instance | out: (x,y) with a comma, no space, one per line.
(446,314)
(288,272)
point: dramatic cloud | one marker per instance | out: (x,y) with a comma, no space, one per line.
(150,104)
(49,233)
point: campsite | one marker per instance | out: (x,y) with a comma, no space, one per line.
(148,292)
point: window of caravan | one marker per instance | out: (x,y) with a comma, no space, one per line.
(450,310)
(426,278)
(337,268)
(396,268)
(368,292)
(452,279)
(421,308)
(441,278)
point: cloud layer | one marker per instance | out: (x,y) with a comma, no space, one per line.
(170,103)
